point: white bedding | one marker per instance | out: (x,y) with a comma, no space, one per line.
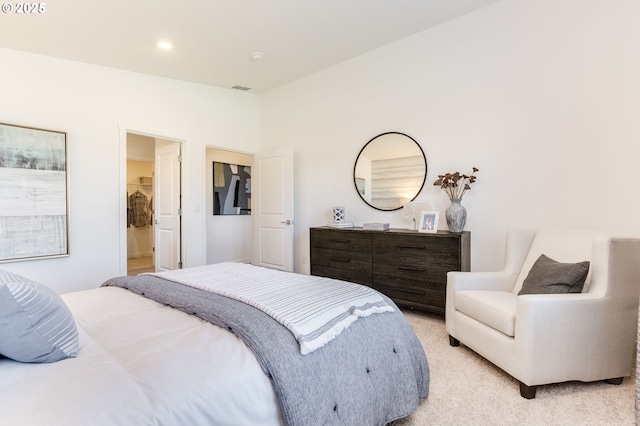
(153,365)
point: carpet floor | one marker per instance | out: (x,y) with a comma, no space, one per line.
(466,389)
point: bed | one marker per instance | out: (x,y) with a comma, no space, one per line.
(152,350)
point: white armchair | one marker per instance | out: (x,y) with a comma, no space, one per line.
(551,338)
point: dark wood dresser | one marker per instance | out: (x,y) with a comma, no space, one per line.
(408,266)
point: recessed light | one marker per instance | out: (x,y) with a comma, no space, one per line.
(165,45)
(257,56)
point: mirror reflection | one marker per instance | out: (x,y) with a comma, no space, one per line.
(390,171)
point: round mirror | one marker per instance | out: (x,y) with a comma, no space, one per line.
(390,171)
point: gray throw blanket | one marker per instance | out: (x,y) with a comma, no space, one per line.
(373,373)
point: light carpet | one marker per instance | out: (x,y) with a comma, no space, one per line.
(466,389)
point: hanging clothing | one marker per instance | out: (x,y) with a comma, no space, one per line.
(151,211)
(139,209)
(129,211)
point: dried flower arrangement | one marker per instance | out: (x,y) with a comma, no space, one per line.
(455,184)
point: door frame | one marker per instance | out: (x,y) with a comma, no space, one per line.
(154,133)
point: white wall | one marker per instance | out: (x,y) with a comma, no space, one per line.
(229,237)
(93,105)
(542,96)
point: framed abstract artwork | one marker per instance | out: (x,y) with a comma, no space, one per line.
(231,189)
(34,182)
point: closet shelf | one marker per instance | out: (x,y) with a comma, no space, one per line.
(146,181)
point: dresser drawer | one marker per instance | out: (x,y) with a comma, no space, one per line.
(341,259)
(357,277)
(412,269)
(426,295)
(341,240)
(398,246)
(416,258)
(424,288)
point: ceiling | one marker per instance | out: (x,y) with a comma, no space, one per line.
(214,39)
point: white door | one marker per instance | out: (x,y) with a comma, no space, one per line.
(166,208)
(272,209)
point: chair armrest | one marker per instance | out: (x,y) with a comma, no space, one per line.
(572,334)
(548,320)
(539,314)
(499,281)
(456,281)
(517,246)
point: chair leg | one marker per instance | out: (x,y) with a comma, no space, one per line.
(528,392)
(453,341)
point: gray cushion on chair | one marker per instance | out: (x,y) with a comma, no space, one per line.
(35,323)
(550,277)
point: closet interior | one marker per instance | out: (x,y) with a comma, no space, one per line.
(140,244)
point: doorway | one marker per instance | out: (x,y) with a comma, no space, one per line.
(153,204)
(229,233)
(273,219)
(140,167)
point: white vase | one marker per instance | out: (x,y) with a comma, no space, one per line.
(456,215)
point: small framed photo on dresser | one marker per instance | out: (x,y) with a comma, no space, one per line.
(429,222)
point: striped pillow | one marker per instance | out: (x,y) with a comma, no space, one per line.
(35,324)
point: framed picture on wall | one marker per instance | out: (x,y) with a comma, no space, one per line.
(231,189)
(34,213)
(429,221)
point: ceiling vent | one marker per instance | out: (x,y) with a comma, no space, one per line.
(241,88)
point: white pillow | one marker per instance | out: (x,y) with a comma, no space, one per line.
(35,324)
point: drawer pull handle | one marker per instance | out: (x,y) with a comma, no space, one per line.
(408,268)
(340,241)
(410,291)
(340,259)
(412,247)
